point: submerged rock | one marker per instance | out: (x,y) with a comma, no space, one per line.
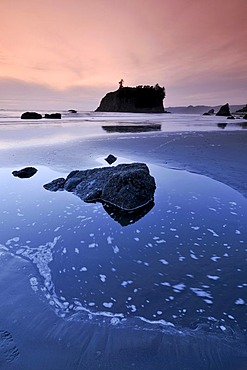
(31,115)
(224,111)
(25,173)
(126,186)
(127,218)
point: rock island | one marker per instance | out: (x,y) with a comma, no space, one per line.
(139,99)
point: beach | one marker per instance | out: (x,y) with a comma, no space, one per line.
(220,155)
(171,287)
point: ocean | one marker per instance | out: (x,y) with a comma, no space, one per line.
(84,288)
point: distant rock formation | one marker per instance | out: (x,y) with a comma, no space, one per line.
(72,111)
(139,99)
(224,111)
(242,111)
(25,173)
(53,116)
(209,113)
(126,186)
(31,115)
(35,115)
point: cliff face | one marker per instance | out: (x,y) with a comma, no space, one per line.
(147,99)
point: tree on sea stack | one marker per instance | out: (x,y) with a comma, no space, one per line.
(121,83)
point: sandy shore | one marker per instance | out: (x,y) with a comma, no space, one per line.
(220,155)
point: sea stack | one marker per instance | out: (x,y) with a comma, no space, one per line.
(139,99)
(224,111)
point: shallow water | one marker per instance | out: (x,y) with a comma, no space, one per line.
(99,124)
(179,271)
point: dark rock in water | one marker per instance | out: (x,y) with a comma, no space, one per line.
(31,115)
(133,128)
(25,173)
(126,186)
(209,113)
(224,111)
(53,116)
(245,116)
(110,159)
(72,111)
(230,117)
(140,99)
(242,110)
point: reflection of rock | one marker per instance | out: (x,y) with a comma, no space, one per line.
(209,113)
(53,116)
(224,111)
(125,218)
(31,115)
(133,128)
(25,173)
(243,125)
(110,159)
(222,125)
(126,186)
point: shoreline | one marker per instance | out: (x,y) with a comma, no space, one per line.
(218,155)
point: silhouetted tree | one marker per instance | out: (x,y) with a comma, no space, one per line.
(121,83)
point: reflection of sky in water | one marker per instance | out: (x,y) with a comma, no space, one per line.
(184,262)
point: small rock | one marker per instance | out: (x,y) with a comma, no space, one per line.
(53,116)
(110,159)
(31,115)
(72,111)
(25,173)
(209,113)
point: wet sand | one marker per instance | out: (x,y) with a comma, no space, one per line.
(220,155)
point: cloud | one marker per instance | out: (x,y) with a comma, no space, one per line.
(25,95)
(59,46)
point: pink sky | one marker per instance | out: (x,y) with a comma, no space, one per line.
(67,54)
